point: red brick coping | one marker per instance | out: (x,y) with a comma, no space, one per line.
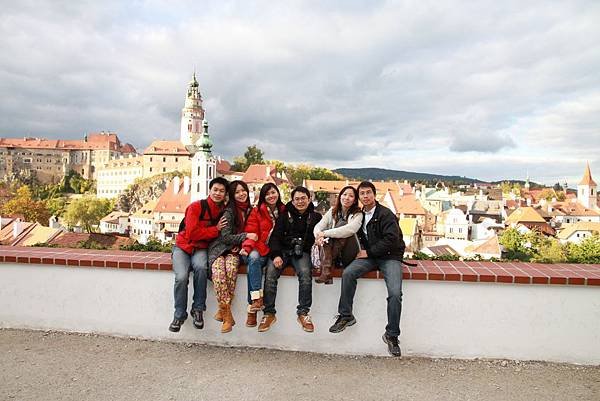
(492,272)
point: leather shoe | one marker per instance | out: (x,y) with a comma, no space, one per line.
(198,318)
(266,322)
(392,343)
(306,323)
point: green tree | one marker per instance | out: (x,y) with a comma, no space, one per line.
(22,203)
(253,155)
(298,173)
(587,251)
(57,206)
(550,251)
(87,212)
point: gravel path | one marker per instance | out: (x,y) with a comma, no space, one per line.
(58,366)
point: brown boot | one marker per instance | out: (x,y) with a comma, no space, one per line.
(266,322)
(251,319)
(257,305)
(219,315)
(228,321)
(325,277)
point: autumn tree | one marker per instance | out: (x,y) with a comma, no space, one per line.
(87,212)
(23,204)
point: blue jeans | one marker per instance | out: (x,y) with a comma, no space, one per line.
(255,264)
(182,264)
(303,269)
(392,274)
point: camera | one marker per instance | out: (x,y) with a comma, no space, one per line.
(297,247)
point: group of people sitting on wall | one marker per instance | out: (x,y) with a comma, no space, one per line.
(223,230)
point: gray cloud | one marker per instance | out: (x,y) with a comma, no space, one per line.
(390,84)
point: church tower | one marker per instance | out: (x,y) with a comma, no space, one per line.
(586,190)
(192,114)
(204,165)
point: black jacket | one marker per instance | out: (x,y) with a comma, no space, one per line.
(384,239)
(290,225)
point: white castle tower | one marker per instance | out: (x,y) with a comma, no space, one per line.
(586,190)
(204,165)
(192,115)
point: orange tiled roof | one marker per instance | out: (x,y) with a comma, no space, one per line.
(71,240)
(574,209)
(170,202)
(262,174)
(93,141)
(407,204)
(166,148)
(525,214)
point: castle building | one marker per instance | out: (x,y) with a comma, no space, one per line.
(192,115)
(49,160)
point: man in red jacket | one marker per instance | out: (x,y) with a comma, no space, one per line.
(198,228)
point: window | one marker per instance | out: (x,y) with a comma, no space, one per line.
(176,159)
(150,169)
(150,159)
(164,159)
(164,169)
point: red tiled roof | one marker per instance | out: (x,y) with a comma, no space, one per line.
(72,240)
(93,141)
(166,148)
(407,204)
(171,202)
(262,173)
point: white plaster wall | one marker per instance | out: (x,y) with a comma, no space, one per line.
(439,319)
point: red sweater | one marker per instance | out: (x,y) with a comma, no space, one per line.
(198,233)
(259,222)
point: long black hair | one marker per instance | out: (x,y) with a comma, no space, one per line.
(338,203)
(233,185)
(263,195)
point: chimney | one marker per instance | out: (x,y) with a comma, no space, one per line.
(175,185)
(186,184)
(17,228)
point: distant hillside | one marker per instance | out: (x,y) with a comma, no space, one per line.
(378,174)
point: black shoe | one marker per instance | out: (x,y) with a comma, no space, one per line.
(198,318)
(392,343)
(341,323)
(175,325)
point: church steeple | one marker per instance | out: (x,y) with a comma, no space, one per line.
(586,190)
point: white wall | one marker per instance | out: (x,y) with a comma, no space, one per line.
(440,319)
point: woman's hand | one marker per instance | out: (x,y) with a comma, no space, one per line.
(243,252)
(278,262)
(252,236)
(222,223)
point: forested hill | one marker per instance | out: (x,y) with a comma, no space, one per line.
(378,174)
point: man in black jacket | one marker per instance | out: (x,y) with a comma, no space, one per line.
(290,243)
(382,247)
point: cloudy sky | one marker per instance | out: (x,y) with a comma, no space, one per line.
(486,89)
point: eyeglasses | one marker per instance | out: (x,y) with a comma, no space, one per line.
(302,199)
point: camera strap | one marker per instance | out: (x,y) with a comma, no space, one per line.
(291,221)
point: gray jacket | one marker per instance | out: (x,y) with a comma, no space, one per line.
(226,240)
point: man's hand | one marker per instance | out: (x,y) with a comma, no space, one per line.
(252,236)
(278,262)
(222,223)
(362,254)
(243,252)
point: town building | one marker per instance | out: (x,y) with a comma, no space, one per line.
(49,160)
(579,231)
(118,174)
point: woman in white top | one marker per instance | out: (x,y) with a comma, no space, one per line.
(340,223)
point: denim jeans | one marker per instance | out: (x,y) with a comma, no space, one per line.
(303,269)
(392,274)
(182,265)
(255,264)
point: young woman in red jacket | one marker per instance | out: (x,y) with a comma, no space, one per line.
(255,252)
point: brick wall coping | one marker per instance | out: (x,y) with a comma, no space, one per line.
(492,272)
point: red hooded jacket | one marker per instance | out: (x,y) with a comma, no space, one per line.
(259,222)
(199,233)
